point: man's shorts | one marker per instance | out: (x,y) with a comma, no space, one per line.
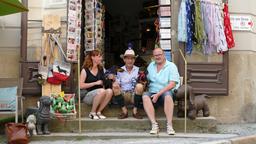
(160,100)
(128,97)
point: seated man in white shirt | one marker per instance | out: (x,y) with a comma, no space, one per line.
(126,89)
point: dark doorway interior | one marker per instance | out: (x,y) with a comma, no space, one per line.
(129,21)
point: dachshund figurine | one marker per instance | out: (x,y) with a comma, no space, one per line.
(61,70)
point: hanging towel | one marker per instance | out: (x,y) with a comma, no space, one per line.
(182,25)
(227,28)
(199,27)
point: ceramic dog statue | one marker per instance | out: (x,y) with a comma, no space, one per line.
(200,103)
(194,104)
(31,125)
(43,115)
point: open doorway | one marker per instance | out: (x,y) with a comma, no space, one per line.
(129,21)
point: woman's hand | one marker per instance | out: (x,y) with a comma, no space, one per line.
(99,82)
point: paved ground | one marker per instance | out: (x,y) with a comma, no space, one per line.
(132,141)
(225,132)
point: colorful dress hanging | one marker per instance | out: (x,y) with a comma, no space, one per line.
(227,28)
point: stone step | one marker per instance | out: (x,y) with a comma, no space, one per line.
(132,136)
(112,124)
(114,110)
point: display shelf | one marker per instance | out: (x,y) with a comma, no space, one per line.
(94,25)
(164,16)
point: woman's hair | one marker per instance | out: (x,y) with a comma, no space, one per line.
(88,59)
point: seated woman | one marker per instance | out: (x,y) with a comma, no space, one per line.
(91,80)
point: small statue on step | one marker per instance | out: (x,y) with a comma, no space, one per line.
(43,115)
(194,103)
(31,125)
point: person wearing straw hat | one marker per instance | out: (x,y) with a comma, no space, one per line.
(163,78)
(126,89)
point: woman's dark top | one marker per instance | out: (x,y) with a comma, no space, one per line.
(92,78)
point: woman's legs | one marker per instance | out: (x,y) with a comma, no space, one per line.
(107,97)
(98,99)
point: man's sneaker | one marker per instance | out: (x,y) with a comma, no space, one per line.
(155,128)
(100,115)
(170,130)
(93,115)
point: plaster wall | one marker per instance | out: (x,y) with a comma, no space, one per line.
(9,46)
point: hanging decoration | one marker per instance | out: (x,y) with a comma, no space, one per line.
(74,29)
(227,28)
(201,26)
(163,27)
(94,25)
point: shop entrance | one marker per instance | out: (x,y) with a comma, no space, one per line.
(129,22)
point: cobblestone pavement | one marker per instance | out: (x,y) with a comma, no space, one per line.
(239,129)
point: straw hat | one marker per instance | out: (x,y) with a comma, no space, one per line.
(129,52)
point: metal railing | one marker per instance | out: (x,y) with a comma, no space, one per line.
(185,83)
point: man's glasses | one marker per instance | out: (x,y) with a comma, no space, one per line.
(157,55)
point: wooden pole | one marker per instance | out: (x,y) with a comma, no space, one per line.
(50,22)
(79,94)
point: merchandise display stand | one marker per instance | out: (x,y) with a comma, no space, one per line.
(51,24)
(94,25)
(164,15)
(74,29)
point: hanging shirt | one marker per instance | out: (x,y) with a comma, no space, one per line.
(222,43)
(227,28)
(182,25)
(208,18)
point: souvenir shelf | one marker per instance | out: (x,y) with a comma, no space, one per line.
(164,15)
(94,24)
(74,29)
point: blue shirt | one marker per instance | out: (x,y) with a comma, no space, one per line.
(128,80)
(158,81)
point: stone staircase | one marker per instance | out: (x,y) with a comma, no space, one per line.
(112,124)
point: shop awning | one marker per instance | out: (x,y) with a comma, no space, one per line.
(11,6)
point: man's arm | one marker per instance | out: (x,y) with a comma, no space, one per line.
(170,86)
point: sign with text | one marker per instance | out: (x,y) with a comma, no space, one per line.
(241,22)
